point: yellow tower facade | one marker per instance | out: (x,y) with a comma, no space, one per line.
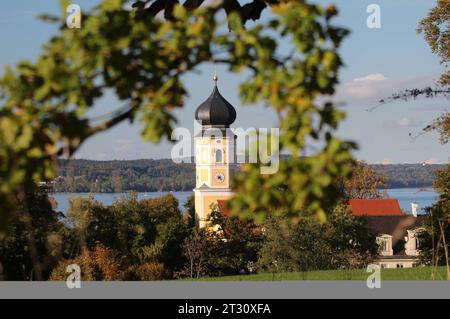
(215,148)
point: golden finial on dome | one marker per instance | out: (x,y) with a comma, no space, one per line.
(215,78)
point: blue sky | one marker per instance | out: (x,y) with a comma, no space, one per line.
(378,62)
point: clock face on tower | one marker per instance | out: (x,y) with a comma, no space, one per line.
(220,178)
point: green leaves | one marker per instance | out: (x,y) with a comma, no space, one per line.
(291,84)
(292,59)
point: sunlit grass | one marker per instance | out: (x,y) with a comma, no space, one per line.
(417,273)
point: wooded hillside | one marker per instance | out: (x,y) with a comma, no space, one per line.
(148,175)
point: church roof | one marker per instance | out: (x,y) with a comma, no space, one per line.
(215,111)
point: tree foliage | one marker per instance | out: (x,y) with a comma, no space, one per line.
(151,240)
(234,245)
(435,240)
(229,247)
(364,183)
(436,31)
(145,231)
(145,175)
(141,58)
(35,241)
(442,126)
(195,250)
(145,272)
(100,263)
(251,10)
(343,242)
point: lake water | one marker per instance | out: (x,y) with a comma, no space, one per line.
(424,197)
(405,196)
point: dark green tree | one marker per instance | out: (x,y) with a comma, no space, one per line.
(36,238)
(344,241)
(142,231)
(435,240)
(228,247)
(189,214)
(234,245)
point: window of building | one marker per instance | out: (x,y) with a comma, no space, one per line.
(384,244)
(219,156)
(412,242)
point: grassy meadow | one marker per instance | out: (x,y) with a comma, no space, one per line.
(417,273)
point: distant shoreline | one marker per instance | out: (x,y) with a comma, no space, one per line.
(184,191)
(88,176)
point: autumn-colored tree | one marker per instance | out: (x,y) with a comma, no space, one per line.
(442,126)
(101,263)
(435,241)
(364,183)
(436,29)
(145,272)
(195,250)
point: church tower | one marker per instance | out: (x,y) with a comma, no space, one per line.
(215,148)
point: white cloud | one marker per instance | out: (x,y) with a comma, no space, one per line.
(371,77)
(362,87)
(387,160)
(368,90)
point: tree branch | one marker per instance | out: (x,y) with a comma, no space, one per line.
(251,10)
(71,149)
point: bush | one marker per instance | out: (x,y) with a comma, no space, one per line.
(100,264)
(145,272)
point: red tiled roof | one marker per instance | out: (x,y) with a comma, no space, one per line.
(376,207)
(359,207)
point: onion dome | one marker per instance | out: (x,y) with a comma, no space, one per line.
(215,111)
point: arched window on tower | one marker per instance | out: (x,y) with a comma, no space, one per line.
(219,156)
